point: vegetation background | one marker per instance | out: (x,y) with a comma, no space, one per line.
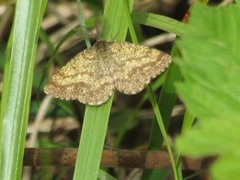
(38,37)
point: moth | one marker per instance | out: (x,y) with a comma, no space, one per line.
(94,74)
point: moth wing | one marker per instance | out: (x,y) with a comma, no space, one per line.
(84,78)
(135,65)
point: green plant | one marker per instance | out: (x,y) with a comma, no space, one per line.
(118,19)
(114,25)
(18,74)
(210,65)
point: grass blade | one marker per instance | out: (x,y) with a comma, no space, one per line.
(18,74)
(160,22)
(96,118)
(92,141)
(166,103)
(154,102)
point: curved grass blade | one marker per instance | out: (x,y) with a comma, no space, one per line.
(160,22)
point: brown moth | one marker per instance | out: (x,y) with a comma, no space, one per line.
(93,74)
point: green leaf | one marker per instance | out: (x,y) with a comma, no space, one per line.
(210,65)
(227,167)
(237,2)
(211,62)
(215,136)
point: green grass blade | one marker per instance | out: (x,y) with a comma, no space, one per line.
(96,118)
(92,141)
(160,22)
(188,121)
(166,103)
(115,25)
(163,131)
(82,24)
(76,30)
(129,120)
(18,74)
(45,38)
(153,101)
(102,175)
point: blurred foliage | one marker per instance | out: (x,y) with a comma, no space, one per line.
(7,2)
(210,65)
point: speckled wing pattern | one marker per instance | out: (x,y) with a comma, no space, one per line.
(84,78)
(94,74)
(135,65)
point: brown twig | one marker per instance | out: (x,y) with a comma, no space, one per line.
(110,158)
